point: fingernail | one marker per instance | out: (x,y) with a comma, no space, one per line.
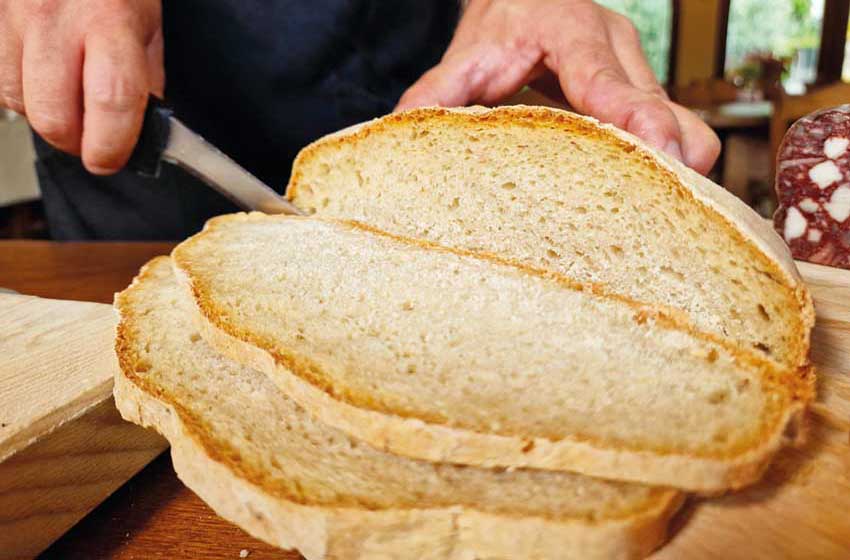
(674,149)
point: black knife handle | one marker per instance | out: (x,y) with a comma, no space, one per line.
(156,128)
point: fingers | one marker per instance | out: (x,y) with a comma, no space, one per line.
(11,90)
(115,88)
(482,73)
(595,54)
(490,58)
(81,76)
(595,84)
(625,40)
(156,64)
(50,78)
(701,145)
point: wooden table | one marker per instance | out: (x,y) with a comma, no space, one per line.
(736,114)
(743,129)
(153,515)
(798,511)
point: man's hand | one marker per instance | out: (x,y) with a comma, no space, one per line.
(592,54)
(81,70)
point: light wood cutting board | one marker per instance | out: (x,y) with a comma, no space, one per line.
(63,446)
(801,510)
(51,349)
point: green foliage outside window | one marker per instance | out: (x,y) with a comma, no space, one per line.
(654,21)
(779,27)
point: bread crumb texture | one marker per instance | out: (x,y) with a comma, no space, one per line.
(560,192)
(231,416)
(469,342)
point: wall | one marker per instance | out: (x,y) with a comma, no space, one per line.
(17,175)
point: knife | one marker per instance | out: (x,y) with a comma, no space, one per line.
(165,138)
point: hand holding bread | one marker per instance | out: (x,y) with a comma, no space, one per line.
(575,50)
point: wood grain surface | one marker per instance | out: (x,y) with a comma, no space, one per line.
(53,366)
(800,510)
(91,271)
(154,515)
(63,448)
(48,486)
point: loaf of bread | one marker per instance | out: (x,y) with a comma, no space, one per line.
(448,355)
(561,192)
(261,461)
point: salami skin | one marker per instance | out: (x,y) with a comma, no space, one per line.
(813,187)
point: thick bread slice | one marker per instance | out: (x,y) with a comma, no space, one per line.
(562,192)
(449,356)
(262,462)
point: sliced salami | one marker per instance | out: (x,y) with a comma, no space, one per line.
(813,187)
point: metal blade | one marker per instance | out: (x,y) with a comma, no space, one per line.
(205,161)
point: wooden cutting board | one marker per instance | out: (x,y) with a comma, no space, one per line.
(63,446)
(801,509)
(50,348)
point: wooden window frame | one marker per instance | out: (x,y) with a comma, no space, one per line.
(832,41)
(672,55)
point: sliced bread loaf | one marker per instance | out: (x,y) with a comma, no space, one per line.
(451,356)
(262,462)
(562,192)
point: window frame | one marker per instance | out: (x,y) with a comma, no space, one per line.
(832,40)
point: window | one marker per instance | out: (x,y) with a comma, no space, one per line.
(786,29)
(654,21)
(845,69)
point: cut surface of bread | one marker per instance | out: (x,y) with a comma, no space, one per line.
(561,192)
(451,356)
(263,462)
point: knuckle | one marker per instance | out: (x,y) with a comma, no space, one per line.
(643,116)
(600,82)
(580,13)
(625,26)
(600,88)
(653,110)
(118,95)
(12,97)
(657,91)
(114,19)
(54,128)
(595,53)
(13,103)
(509,9)
(43,9)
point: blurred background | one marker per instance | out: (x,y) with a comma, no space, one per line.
(749,68)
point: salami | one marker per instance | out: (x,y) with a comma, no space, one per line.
(813,187)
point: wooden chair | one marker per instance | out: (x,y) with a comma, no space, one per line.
(789,108)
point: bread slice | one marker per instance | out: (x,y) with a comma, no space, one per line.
(561,192)
(450,356)
(262,462)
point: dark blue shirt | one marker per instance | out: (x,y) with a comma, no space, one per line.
(260,79)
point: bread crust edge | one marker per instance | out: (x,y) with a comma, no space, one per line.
(327,532)
(734,213)
(418,439)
